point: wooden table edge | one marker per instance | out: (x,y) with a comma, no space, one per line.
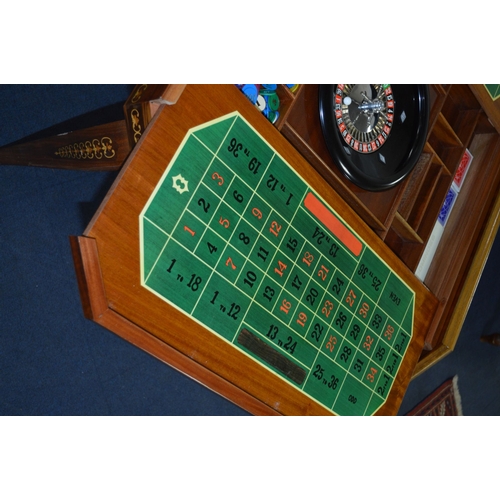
(96,308)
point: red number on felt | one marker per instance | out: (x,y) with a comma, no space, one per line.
(350,298)
(308,258)
(275,228)
(217,177)
(229,262)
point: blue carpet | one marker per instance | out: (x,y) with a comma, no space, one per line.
(55,362)
(52,360)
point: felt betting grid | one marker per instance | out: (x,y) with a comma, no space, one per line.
(234,238)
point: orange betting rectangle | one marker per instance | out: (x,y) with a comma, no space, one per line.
(333,224)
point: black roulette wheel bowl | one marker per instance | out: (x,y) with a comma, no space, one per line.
(392,161)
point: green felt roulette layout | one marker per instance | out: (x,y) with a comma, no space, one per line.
(234,238)
(221,251)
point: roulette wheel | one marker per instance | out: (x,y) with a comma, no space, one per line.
(375,133)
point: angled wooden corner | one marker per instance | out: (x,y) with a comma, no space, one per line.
(96,308)
(88,273)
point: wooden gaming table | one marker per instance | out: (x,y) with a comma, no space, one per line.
(222,252)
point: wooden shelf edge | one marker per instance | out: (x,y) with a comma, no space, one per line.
(405,231)
(430,360)
(490,107)
(466,124)
(96,308)
(466,295)
(440,95)
(462,236)
(445,133)
(472,280)
(290,97)
(415,182)
(430,185)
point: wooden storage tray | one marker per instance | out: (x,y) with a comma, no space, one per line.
(404,216)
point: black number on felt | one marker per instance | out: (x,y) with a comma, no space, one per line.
(204,204)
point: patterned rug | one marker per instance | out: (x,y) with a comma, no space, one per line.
(444,401)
